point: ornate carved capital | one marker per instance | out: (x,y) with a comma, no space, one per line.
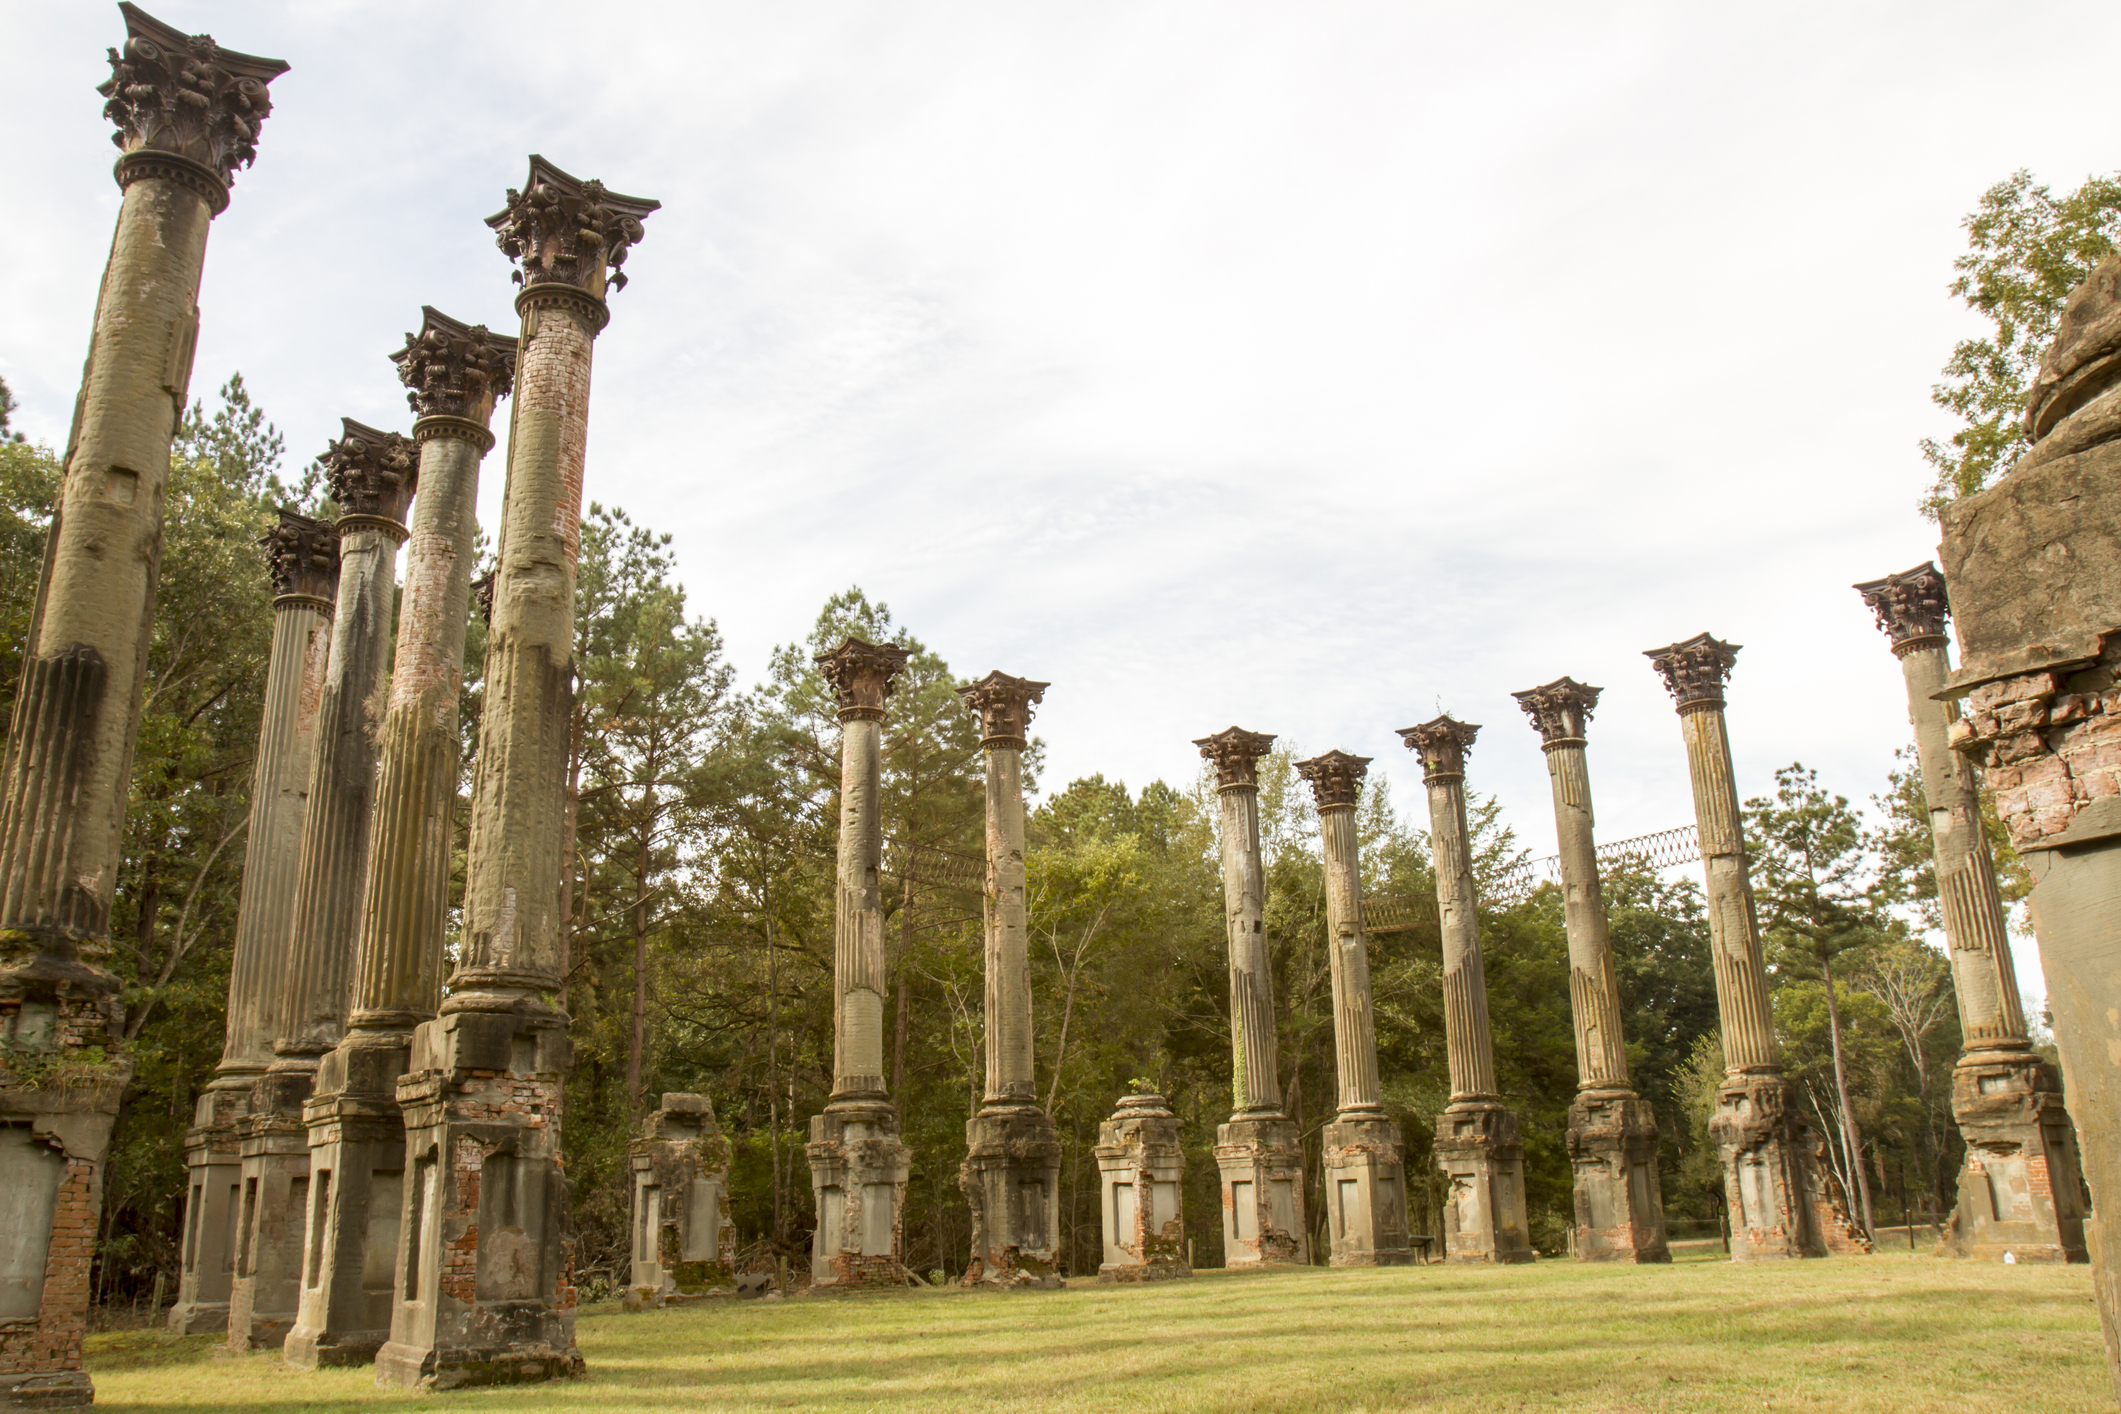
(304,557)
(562,230)
(455,370)
(1911,606)
(862,676)
(1236,754)
(184,96)
(371,473)
(1442,745)
(482,595)
(1004,707)
(1336,778)
(1561,710)
(1694,670)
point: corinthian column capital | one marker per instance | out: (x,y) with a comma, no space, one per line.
(1560,709)
(186,109)
(1004,707)
(568,232)
(371,473)
(1694,670)
(304,557)
(1442,745)
(454,373)
(862,675)
(1236,754)
(1336,779)
(1911,607)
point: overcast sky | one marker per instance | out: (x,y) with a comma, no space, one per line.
(1303,366)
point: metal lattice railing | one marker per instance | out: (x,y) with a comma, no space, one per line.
(937,868)
(1663,849)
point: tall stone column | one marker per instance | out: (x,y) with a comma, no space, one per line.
(356,1134)
(858,1164)
(304,558)
(188,114)
(1766,1147)
(1365,1162)
(2021,1189)
(1259,1152)
(1011,1173)
(1478,1146)
(1141,1169)
(2036,595)
(1612,1132)
(372,476)
(485,1289)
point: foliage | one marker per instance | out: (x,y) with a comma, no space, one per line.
(2026,250)
(8,408)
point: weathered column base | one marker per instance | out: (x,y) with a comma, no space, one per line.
(488,1297)
(2076,898)
(213,1163)
(683,1242)
(1478,1149)
(2021,1189)
(1366,1192)
(53,1143)
(273,1208)
(1262,1165)
(357,1172)
(1141,1163)
(1765,1146)
(1612,1141)
(858,1170)
(1011,1182)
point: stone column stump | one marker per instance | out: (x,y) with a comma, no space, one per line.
(1141,1167)
(684,1244)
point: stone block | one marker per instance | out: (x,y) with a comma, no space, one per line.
(1612,1139)
(858,1172)
(1262,1167)
(1481,1155)
(1141,1177)
(683,1241)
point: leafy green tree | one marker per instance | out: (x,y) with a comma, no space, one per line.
(2026,250)
(1817,910)
(8,406)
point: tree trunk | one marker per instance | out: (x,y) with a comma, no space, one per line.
(1841,1092)
(773,1041)
(898,982)
(639,1043)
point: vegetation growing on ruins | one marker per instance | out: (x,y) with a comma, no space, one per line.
(700,896)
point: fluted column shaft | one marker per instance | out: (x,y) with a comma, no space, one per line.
(1594,987)
(1354,1027)
(1255,1084)
(1468,1040)
(335,834)
(404,915)
(1008,992)
(1749,1044)
(1984,976)
(858,961)
(515,941)
(77,710)
(294,683)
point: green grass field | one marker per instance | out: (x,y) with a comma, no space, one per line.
(1893,1333)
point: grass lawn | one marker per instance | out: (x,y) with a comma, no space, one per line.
(1893,1333)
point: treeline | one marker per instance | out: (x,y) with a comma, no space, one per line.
(700,893)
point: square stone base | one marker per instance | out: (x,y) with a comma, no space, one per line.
(2021,1188)
(1366,1192)
(1766,1147)
(213,1164)
(858,1170)
(1011,1182)
(63,1389)
(1619,1199)
(1141,1169)
(1480,1153)
(272,1211)
(1261,1160)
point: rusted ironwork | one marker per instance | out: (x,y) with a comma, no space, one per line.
(1662,849)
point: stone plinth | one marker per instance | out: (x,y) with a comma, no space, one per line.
(1481,1155)
(1612,1134)
(272,1209)
(1760,1134)
(1011,1182)
(1366,1192)
(1141,1167)
(188,114)
(455,373)
(1262,1166)
(683,1241)
(213,1164)
(858,1172)
(2020,1189)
